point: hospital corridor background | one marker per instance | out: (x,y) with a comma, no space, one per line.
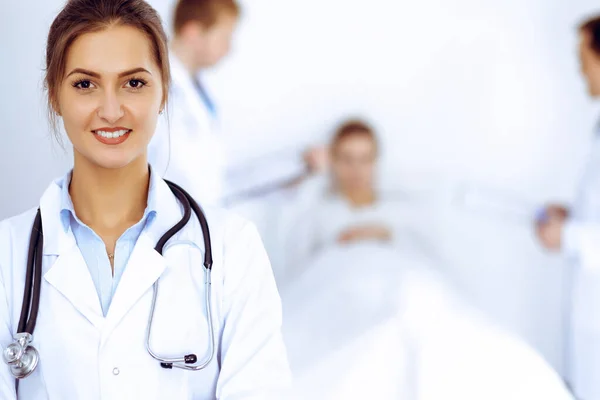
(481,117)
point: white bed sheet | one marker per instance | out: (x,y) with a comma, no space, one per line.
(366,321)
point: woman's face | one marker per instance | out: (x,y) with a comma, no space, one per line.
(110,96)
(353,162)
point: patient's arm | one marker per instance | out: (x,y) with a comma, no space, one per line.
(365,232)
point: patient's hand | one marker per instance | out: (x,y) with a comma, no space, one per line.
(317,159)
(365,232)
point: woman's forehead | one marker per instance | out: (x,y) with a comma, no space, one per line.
(112,51)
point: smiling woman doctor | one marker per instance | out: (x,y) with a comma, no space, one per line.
(98,252)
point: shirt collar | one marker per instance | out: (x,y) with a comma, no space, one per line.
(67,211)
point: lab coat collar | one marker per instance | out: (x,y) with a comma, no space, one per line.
(61,239)
(67,210)
(179,72)
(196,87)
(69,275)
(184,86)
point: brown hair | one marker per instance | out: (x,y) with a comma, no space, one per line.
(353,127)
(205,12)
(83,16)
(591,27)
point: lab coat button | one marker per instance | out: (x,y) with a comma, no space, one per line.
(116,371)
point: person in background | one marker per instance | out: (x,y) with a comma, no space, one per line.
(575,231)
(188,147)
(349,209)
(354,150)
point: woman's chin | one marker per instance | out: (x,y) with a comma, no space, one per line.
(114,161)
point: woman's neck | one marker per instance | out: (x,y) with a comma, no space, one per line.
(360,197)
(109,200)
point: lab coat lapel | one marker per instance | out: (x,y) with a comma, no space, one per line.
(70,276)
(145,266)
(69,273)
(64,266)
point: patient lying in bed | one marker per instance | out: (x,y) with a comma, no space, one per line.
(366,315)
(348,208)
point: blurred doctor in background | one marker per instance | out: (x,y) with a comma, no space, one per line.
(576,233)
(187,147)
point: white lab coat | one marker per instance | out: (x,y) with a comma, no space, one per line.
(581,243)
(84,355)
(186,147)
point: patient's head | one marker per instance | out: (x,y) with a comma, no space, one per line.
(353,157)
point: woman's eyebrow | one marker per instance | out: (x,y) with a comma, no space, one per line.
(85,72)
(97,75)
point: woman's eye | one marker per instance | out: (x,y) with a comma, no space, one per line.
(83,84)
(135,83)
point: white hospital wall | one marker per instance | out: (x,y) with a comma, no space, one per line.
(28,156)
(475,89)
(461,90)
(479,91)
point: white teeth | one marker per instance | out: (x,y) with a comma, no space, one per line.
(111,135)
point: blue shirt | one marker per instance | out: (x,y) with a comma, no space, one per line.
(93,248)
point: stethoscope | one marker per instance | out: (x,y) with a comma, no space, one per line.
(23,358)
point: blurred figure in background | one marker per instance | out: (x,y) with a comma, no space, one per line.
(576,233)
(354,211)
(187,146)
(349,208)
(362,291)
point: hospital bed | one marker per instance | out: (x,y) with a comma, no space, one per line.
(366,321)
(479,237)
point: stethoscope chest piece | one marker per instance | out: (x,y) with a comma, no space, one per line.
(21,357)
